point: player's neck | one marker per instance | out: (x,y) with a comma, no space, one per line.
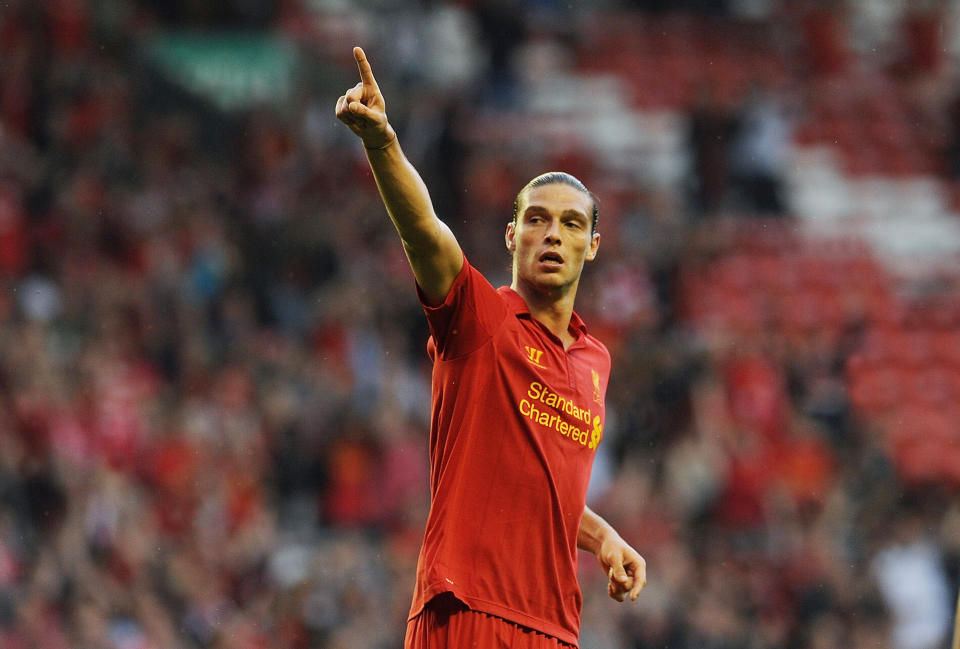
(552,308)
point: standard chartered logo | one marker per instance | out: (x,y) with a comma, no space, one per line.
(546,408)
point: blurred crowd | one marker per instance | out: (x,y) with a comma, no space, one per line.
(214,389)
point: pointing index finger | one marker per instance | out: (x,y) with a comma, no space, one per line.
(366,74)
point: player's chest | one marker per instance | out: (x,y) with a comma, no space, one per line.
(534,362)
(557,394)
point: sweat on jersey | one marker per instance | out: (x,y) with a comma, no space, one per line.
(515,423)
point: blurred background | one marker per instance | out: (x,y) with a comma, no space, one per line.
(214,388)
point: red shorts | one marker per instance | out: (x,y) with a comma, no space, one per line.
(447,623)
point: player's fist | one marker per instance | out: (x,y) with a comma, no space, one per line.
(626,569)
(363,110)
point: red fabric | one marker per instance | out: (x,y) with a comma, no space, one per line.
(446,621)
(68,27)
(509,461)
(923,33)
(353,497)
(750,473)
(13,235)
(757,395)
(825,36)
(806,467)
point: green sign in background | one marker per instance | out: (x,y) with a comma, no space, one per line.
(233,71)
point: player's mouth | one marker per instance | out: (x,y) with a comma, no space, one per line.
(551,259)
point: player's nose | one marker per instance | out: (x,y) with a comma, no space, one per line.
(553,232)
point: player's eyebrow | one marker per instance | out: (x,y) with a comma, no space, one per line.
(566,214)
(574,214)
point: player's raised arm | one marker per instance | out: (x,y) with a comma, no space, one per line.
(431,248)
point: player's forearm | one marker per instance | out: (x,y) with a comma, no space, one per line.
(431,248)
(405,195)
(593,531)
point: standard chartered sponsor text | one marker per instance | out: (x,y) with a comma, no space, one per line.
(540,394)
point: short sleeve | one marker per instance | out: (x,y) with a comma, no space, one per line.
(468,316)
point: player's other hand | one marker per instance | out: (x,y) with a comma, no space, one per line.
(362,108)
(626,570)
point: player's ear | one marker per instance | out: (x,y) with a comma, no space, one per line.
(594,246)
(510,237)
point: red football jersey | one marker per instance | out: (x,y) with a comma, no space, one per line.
(515,423)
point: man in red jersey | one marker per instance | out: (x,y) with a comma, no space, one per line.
(517,411)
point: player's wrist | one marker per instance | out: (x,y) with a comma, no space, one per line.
(384,141)
(593,532)
(606,536)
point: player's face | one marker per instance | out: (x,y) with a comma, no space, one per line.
(552,237)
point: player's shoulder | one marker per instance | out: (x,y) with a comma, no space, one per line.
(602,348)
(470,285)
(597,348)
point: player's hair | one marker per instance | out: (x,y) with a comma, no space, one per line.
(562,178)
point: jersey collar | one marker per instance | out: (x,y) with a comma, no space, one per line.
(518,305)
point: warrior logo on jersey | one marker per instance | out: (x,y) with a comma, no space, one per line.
(534,355)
